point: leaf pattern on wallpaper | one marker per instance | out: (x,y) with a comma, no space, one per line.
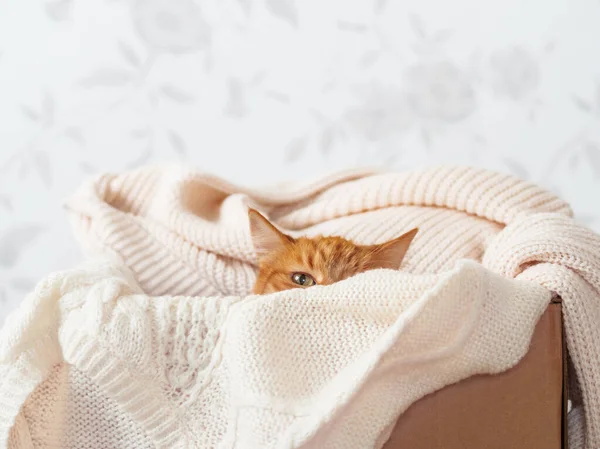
(236,105)
(30,113)
(129,54)
(48,107)
(177,142)
(428,42)
(327,140)
(76,135)
(246,5)
(41,162)
(44,113)
(592,151)
(369,58)
(59,10)
(380,5)
(107,77)
(283,9)
(6,203)
(295,149)
(176,94)
(14,240)
(417,25)
(516,168)
(278,96)
(582,104)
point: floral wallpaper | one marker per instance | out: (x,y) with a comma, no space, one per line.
(267,90)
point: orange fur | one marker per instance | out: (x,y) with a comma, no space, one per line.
(325,259)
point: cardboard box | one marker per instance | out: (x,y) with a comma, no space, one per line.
(522,408)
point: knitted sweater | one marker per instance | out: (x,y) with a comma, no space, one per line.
(162,346)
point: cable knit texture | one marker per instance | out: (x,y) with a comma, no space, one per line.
(159,344)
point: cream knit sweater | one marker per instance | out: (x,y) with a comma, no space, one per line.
(162,347)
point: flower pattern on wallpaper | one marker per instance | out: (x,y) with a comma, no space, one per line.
(383,112)
(516,73)
(439,91)
(429,95)
(258,90)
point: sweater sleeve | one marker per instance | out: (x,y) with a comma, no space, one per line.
(30,349)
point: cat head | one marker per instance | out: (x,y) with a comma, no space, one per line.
(286,262)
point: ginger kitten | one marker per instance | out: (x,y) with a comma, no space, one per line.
(285,262)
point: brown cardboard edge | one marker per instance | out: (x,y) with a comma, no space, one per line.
(559,391)
(565,404)
(565,391)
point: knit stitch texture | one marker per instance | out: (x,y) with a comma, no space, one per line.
(160,345)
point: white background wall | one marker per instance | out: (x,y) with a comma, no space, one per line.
(267,90)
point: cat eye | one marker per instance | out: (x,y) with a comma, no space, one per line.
(303,279)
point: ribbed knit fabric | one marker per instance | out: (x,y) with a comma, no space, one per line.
(93,358)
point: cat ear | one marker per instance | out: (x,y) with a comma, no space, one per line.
(265,237)
(390,254)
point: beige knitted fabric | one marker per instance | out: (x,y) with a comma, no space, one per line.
(90,360)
